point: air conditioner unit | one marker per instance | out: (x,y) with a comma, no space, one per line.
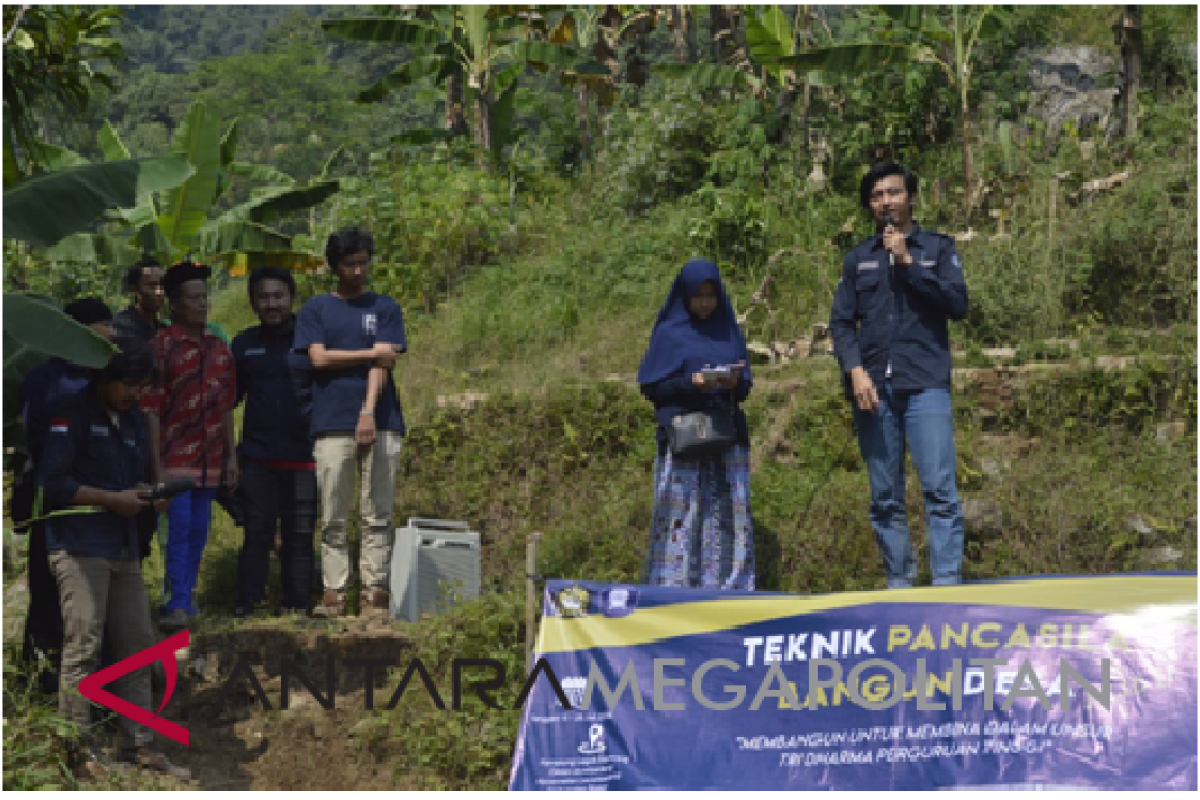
(430,554)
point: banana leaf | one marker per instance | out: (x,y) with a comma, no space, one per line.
(46,208)
(184,209)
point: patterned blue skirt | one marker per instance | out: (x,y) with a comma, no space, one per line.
(702,535)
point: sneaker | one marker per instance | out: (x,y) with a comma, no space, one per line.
(376,603)
(333,604)
(175,620)
(149,758)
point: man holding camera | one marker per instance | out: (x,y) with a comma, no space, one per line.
(97,454)
(889,326)
(45,387)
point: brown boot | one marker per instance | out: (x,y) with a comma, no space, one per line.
(333,605)
(376,603)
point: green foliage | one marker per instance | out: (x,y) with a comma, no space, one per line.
(44,209)
(730,224)
(36,735)
(431,222)
(577,435)
(1131,400)
(55,62)
(472,750)
(1140,244)
(657,152)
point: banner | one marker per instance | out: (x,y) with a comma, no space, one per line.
(983,685)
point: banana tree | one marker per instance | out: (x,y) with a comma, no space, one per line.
(776,59)
(953,50)
(582,44)
(182,218)
(47,210)
(481,45)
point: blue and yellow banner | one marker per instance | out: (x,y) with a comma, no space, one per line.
(1031,682)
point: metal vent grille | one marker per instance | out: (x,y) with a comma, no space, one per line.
(434,562)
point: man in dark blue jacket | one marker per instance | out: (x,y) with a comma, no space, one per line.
(45,386)
(889,329)
(278,478)
(97,454)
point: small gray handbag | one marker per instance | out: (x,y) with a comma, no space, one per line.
(701,433)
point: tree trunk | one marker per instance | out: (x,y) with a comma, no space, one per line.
(722,33)
(483,127)
(968,164)
(679,34)
(456,119)
(692,27)
(585,120)
(1129,35)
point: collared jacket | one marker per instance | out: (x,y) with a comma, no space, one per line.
(46,386)
(274,427)
(894,316)
(85,448)
(130,324)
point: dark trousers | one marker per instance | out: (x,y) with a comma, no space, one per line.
(287,498)
(43,623)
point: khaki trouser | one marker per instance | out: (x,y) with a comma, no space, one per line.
(102,596)
(338,457)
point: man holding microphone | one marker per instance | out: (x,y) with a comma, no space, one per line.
(889,326)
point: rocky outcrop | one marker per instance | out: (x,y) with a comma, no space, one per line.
(1075,83)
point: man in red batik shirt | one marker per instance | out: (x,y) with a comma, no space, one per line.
(189,411)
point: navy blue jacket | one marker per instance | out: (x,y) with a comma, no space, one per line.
(84,448)
(898,314)
(45,387)
(274,427)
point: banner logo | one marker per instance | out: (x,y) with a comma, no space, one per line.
(91,687)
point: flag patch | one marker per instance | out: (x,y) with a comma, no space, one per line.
(60,425)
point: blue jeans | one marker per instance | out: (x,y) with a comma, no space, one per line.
(923,420)
(188,518)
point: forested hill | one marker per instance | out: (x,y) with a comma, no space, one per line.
(175,39)
(270,66)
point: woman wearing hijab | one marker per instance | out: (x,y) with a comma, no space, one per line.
(702,534)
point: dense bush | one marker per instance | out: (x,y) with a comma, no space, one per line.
(431,221)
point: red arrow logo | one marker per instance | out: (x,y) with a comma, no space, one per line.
(91,687)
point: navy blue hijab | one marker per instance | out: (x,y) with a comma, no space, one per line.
(684,344)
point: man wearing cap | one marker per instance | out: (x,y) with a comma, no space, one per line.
(144,282)
(189,411)
(45,386)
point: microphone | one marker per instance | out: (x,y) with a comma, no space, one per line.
(887,223)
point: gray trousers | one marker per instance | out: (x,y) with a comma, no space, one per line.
(102,595)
